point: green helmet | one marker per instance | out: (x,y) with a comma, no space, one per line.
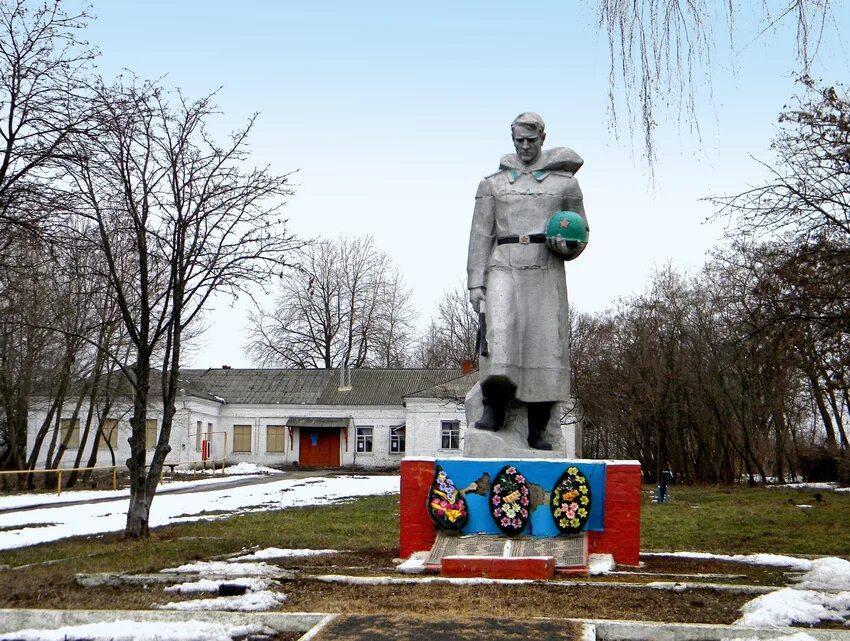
(567,234)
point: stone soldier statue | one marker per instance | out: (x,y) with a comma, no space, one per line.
(520,282)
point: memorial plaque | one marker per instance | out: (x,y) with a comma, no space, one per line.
(569,551)
(473,545)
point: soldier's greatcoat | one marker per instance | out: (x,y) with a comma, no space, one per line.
(526,290)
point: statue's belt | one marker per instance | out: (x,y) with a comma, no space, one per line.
(522,240)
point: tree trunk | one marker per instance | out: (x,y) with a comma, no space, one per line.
(822,409)
(139,510)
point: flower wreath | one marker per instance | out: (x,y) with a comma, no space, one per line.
(570,501)
(509,501)
(446,504)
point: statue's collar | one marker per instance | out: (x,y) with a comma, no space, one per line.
(555,159)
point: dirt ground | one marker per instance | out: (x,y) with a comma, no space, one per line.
(560,598)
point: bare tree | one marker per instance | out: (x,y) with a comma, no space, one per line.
(661,53)
(346,305)
(43,104)
(394,337)
(806,195)
(176,216)
(451,335)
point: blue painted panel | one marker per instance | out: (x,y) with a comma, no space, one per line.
(543,473)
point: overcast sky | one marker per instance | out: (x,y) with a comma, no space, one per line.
(392,112)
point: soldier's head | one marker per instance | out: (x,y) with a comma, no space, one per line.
(528,133)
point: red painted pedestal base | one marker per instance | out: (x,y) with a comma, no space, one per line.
(498,567)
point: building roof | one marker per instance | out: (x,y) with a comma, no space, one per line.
(311,386)
(455,389)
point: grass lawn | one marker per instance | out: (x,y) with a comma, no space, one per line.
(742,520)
(728,520)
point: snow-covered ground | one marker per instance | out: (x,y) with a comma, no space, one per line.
(205,478)
(29,527)
(820,593)
(141,631)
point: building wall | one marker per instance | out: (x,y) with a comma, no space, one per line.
(181,440)
(425,417)
(217,422)
(379,418)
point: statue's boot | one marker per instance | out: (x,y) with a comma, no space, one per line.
(493,417)
(495,398)
(538,417)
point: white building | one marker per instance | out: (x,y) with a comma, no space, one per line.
(366,417)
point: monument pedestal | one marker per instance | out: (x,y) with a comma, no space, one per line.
(512,440)
(612,528)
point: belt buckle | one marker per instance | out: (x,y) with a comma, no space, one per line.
(524,239)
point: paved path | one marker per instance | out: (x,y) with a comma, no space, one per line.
(366,627)
(170,488)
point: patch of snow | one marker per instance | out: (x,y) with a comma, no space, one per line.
(806,486)
(600,564)
(224,568)
(588,632)
(829,573)
(57,521)
(250,468)
(254,584)
(772,560)
(843,490)
(788,606)
(415,563)
(803,506)
(281,553)
(250,602)
(141,631)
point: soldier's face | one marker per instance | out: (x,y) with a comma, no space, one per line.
(528,143)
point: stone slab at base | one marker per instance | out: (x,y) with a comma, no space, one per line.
(498,567)
(569,552)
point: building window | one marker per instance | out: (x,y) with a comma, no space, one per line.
(449,435)
(364,439)
(199,435)
(241,438)
(397,439)
(109,433)
(275,438)
(150,433)
(70,431)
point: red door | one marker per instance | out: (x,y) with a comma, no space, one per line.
(318,448)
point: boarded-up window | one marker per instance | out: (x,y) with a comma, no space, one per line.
(70,431)
(109,433)
(199,435)
(275,435)
(241,438)
(150,433)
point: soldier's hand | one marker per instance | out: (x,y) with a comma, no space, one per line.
(567,249)
(476,297)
